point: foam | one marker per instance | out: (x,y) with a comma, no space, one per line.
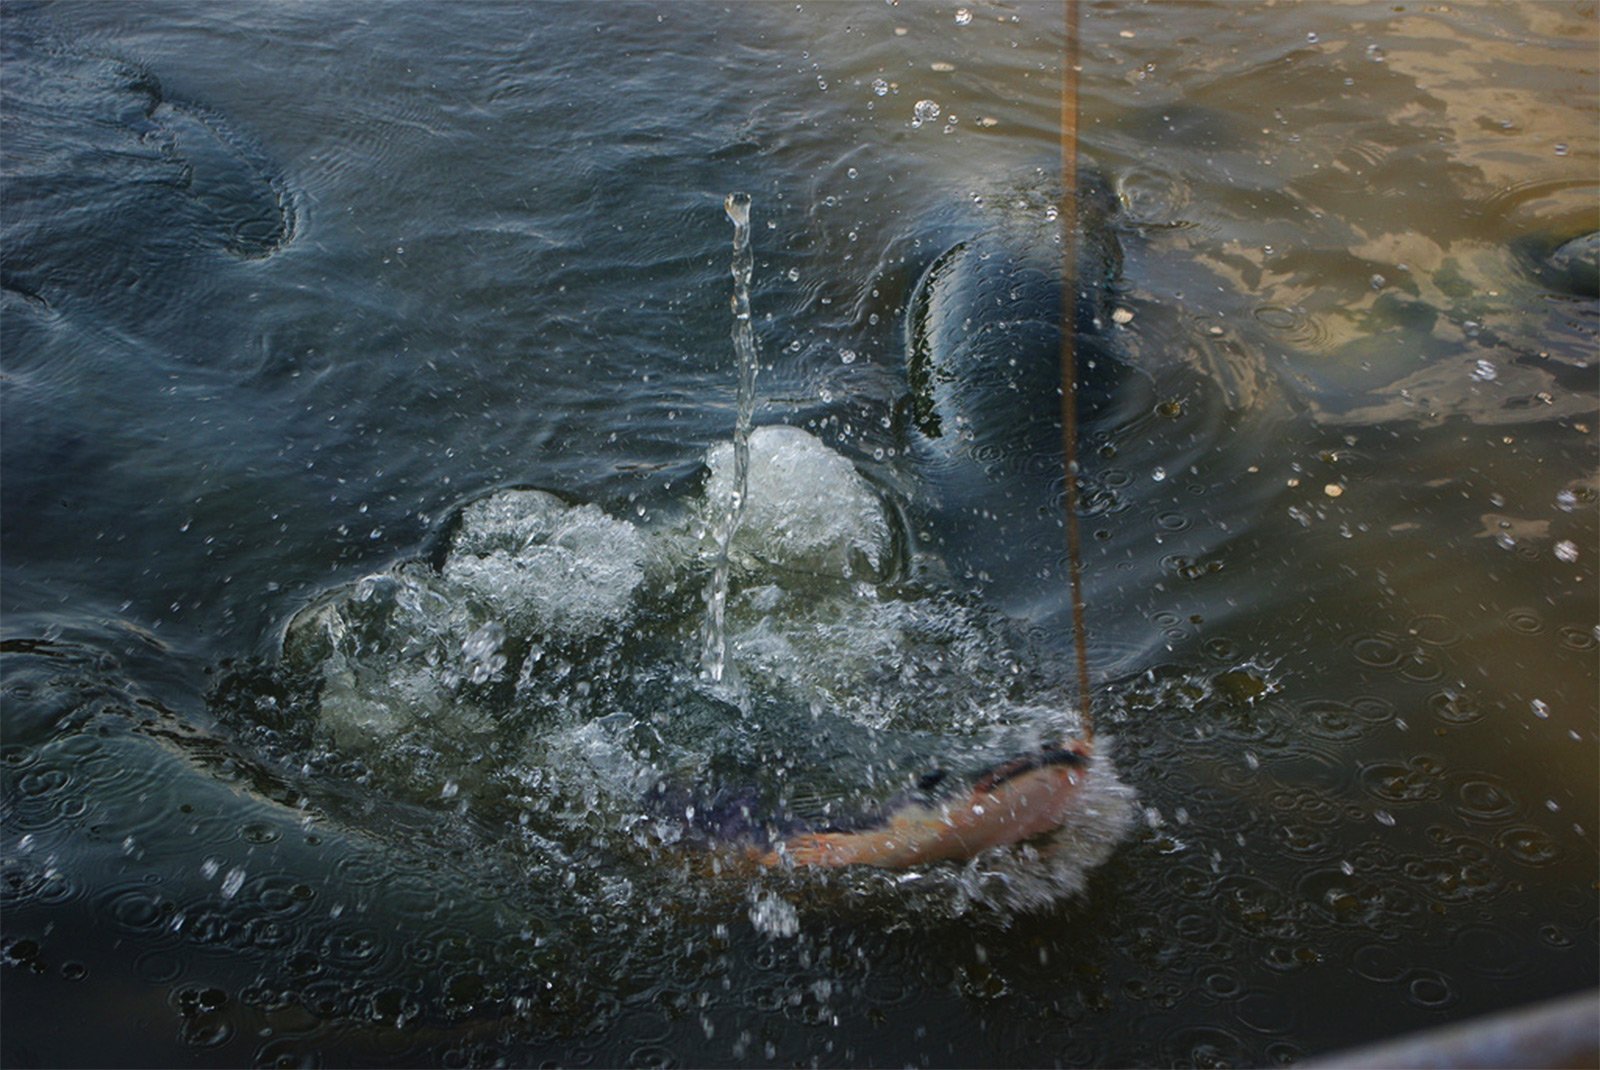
(548,665)
(806,508)
(545,566)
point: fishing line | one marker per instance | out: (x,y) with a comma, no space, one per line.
(1068,216)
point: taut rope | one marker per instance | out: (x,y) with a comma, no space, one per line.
(1068,216)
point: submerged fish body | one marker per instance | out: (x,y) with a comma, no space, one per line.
(983,411)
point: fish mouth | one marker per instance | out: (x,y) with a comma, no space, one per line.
(1074,754)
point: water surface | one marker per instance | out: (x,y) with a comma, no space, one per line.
(287,288)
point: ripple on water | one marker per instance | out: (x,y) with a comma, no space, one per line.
(26,880)
(1311,806)
(1455,708)
(1485,799)
(293,1053)
(1293,324)
(1254,908)
(1355,900)
(1434,629)
(1429,989)
(1415,780)
(1525,620)
(360,869)
(204,1023)
(1381,963)
(1266,1012)
(1376,651)
(651,1056)
(1530,846)
(1310,841)
(418,897)
(1421,667)
(138,909)
(160,966)
(1575,637)
(1153,198)
(1493,952)
(353,946)
(1330,720)
(1449,881)
(281,896)
(1206,1046)
(1222,983)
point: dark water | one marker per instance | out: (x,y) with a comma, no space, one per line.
(284,288)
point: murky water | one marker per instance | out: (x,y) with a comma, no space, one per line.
(367,410)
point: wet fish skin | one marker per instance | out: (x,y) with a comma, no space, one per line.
(1015,801)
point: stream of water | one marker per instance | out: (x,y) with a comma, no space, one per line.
(715,654)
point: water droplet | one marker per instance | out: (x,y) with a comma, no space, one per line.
(1312,38)
(1159,474)
(1561,148)
(847,356)
(1567,550)
(233,882)
(1484,371)
(1375,54)
(1541,709)
(963,16)
(925,111)
(880,87)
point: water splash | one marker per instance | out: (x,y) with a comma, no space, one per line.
(714,642)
